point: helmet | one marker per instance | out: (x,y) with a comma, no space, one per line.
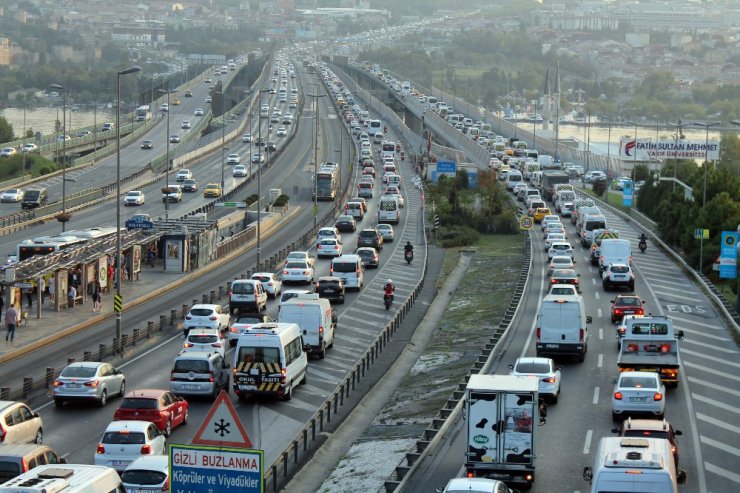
(389,281)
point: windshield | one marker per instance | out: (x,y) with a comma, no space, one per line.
(188,365)
(638,382)
(118,438)
(242,288)
(592,225)
(251,354)
(344,266)
(299,265)
(388,205)
(202,338)
(139,403)
(247,320)
(143,477)
(79,372)
(532,367)
(201,312)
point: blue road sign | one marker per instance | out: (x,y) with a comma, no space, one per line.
(472,178)
(446,167)
(627,193)
(728,255)
(206,469)
(133,224)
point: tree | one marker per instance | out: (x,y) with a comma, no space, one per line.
(6,130)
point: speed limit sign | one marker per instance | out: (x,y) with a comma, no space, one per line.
(525,223)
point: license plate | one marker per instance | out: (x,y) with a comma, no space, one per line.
(121,463)
(637,399)
(629,312)
(331,290)
(190,387)
(247,387)
(74,385)
(552,346)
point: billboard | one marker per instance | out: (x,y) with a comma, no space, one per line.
(646,149)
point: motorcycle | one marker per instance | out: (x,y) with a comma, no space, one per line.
(403,156)
(642,246)
(409,256)
(388,299)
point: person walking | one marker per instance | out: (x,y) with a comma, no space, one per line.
(52,280)
(29,296)
(97,297)
(11,320)
(42,289)
(71,295)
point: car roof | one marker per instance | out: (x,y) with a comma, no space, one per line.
(262,274)
(150,463)
(646,424)
(202,330)
(329,278)
(128,425)
(473,485)
(146,393)
(533,359)
(85,364)
(204,305)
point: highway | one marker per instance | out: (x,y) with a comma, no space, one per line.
(74,431)
(704,406)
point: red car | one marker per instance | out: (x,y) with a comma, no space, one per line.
(626,304)
(161,407)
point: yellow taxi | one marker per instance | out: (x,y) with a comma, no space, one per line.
(212,190)
(540,213)
(176,101)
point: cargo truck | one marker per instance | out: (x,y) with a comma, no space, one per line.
(549,179)
(651,344)
(502,414)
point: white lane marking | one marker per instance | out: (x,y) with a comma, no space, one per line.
(133,360)
(713,347)
(697,323)
(593,281)
(722,446)
(722,472)
(714,373)
(596,395)
(674,296)
(601,332)
(596,295)
(599,313)
(714,359)
(600,361)
(704,334)
(587,443)
(717,422)
(715,403)
(714,386)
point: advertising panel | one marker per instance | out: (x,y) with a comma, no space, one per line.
(646,149)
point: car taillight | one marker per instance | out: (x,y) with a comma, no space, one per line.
(538,333)
(283,375)
(336,247)
(622,331)
(285,272)
(188,317)
(549,380)
(618,396)
(233,329)
(100,449)
(617,311)
(210,378)
(639,311)
(581,334)
(658,396)
(665,348)
(58,383)
(172,375)
(470,474)
(270,284)
(188,344)
(632,348)
(166,485)
(321,329)
(146,449)
(212,318)
(92,383)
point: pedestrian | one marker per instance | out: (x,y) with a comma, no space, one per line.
(51,290)
(42,289)
(29,296)
(71,295)
(11,320)
(97,297)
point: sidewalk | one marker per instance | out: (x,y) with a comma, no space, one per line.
(151,282)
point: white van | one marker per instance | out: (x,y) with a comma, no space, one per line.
(374,127)
(614,251)
(378,137)
(512,178)
(269,358)
(561,327)
(65,478)
(389,210)
(634,465)
(315,317)
(588,225)
(350,269)
(247,294)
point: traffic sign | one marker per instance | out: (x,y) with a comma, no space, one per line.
(315,210)
(117,303)
(446,167)
(203,469)
(525,223)
(701,234)
(222,426)
(239,205)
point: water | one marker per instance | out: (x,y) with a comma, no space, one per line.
(42,119)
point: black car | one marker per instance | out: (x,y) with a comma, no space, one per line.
(271,146)
(146,144)
(259,141)
(346,223)
(369,237)
(331,288)
(188,94)
(189,185)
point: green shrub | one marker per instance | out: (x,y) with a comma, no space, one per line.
(599,187)
(251,199)
(457,236)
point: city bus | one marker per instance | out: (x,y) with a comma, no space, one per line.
(143,113)
(388,148)
(326,183)
(49,244)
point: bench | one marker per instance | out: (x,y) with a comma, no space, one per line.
(77,300)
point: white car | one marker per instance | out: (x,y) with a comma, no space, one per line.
(638,392)
(205,340)
(298,271)
(244,322)
(184,174)
(173,193)
(185,125)
(618,275)
(147,474)
(208,316)
(233,158)
(29,147)
(258,157)
(125,441)
(270,283)
(475,485)
(547,373)
(247,138)
(240,171)
(134,197)
(329,247)
(328,232)
(198,112)
(8,151)
(559,262)
(12,195)
(282,132)
(560,248)
(552,237)
(301,255)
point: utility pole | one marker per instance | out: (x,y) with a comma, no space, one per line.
(315,154)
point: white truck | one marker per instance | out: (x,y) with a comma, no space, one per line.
(651,344)
(503,412)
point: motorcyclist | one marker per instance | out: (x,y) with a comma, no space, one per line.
(389,289)
(642,245)
(408,247)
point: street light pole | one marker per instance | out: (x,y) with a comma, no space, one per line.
(259,182)
(223,138)
(678,135)
(316,155)
(119,267)
(167,155)
(60,87)
(705,164)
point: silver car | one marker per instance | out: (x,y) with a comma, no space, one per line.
(386,231)
(88,381)
(548,375)
(638,392)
